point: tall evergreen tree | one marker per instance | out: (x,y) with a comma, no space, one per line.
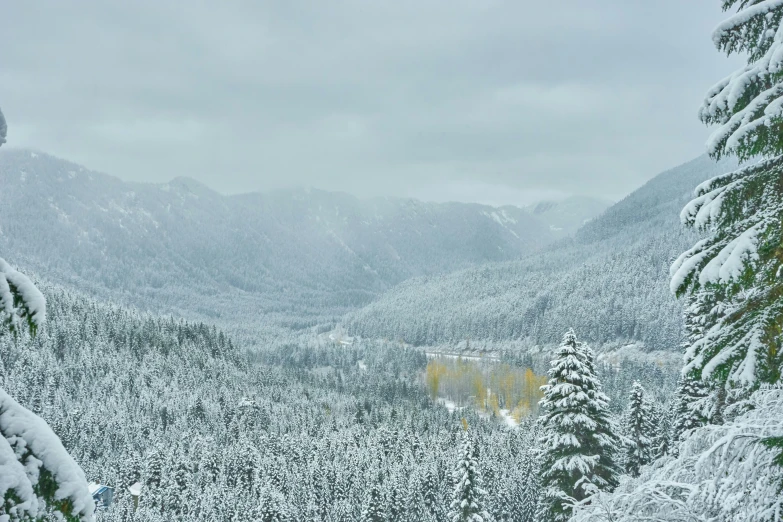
(271,507)
(153,481)
(530,487)
(639,431)
(467,501)
(578,442)
(416,509)
(395,498)
(430,493)
(663,416)
(687,414)
(508,500)
(373,510)
(175,488)
(733,275)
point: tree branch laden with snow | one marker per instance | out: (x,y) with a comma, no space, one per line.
(722,473)
(37,475)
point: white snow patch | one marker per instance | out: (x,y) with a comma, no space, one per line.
(508,420)
(450,405)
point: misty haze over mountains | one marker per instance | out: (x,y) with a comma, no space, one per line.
(288,257)
(609,282)
(399,268)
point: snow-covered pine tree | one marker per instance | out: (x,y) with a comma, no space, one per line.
(38,475)
(272,507)
(733,275)
(395,497)
(430,493)
(417,509)
(639,431)
(687,414)
(467,501)
(175,488)
(21,303)
(130,473)
(373,510)
(508,502)
(578,442)
(723,473)
(530,486)
(663,416)
(153,496)
(341,512)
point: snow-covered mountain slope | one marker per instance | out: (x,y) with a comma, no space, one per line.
(565,217)
(610,282)
(279,256)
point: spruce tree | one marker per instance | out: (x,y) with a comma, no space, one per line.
(530,487)
(395,498)
(152,496)
(639,431)
(687,414)
(663,416)
(467,501)
(416,509)
(430,492)
(272,507)
(732,276)
(578,442)
(373,510)
(509,501)
(175,490)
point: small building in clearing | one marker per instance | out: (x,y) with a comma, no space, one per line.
(102,495)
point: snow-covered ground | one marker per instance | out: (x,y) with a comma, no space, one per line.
(450,405)
(510,421)
(505,415)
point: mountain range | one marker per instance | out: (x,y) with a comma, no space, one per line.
(609,282)
(425,273)
(293,257)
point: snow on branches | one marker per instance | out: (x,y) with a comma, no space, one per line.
(747,105)
(468,496)
(37,475)
(19,299)
(35,468)
(734,274)
(723,473)
(579,443)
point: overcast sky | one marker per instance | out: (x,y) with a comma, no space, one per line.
(480,100)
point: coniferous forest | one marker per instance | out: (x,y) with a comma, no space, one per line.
(172,353)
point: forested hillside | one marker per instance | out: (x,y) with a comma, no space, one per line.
(610,283)
(307,432)
(293,257)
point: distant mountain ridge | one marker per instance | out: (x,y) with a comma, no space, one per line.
(565,217)
(291,256)
(609,282)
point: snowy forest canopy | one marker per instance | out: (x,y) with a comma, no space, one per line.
(305,430)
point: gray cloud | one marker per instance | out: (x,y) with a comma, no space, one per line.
(494,100)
